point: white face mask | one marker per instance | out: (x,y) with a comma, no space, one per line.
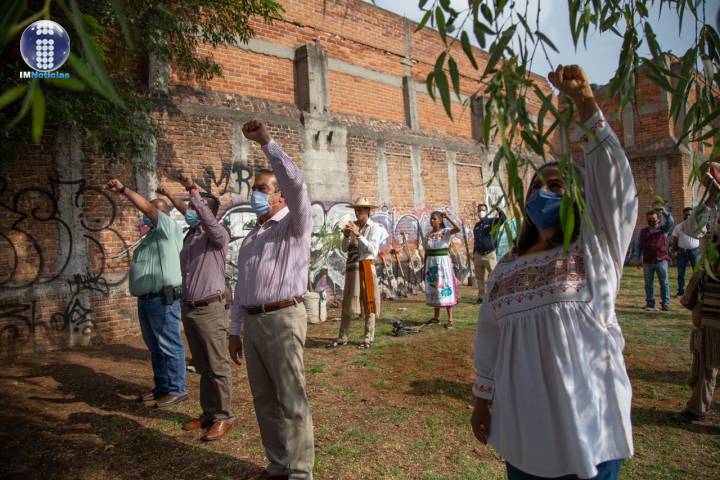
(483,213)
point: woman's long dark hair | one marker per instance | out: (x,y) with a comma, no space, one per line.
(529,233)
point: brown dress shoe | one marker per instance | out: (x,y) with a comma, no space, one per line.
(150,396)
(196,424)
(218,430)
(169,400)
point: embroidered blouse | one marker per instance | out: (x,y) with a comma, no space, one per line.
(548,349)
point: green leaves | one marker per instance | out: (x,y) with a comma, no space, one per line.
(454,76)
(100,94)
(38,114)
(526,128)
(11,95)
(467,48)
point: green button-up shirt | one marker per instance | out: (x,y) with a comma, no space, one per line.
(156,261)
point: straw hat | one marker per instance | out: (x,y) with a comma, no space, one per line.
(363,202)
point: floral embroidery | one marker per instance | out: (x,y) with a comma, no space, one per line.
(553,275)
(484,389)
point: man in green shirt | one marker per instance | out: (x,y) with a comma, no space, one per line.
(155,279)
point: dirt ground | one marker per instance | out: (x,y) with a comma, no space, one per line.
(400,410)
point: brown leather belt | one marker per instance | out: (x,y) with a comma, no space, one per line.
(271,307)
(205,301)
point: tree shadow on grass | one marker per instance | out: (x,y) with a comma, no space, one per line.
(653,417)
(118,352)
(99,390)
(92,445)
(443,387)
(659,376)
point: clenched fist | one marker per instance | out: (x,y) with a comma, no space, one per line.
(115,185)
(572,81)
(255,130)
(163,190)
(186,181)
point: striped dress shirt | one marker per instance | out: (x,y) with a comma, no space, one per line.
(274,258)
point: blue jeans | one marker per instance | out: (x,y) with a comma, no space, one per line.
(160,326)
(662,270)
(606,471)
(685,257)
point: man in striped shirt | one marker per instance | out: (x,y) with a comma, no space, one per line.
(273,267)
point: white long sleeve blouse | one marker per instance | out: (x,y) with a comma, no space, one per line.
(548,349)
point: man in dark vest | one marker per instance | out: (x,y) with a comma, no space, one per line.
(485,234)
(651,251)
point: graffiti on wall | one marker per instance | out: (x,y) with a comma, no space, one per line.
(400,261)
(37,245)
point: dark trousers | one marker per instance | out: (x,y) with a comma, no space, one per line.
(685,257)
(206,329)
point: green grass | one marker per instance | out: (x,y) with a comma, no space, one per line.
(400,410)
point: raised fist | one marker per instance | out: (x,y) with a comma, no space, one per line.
(255,130)
(115,185)
(162,190)
(185,180)
(572,81)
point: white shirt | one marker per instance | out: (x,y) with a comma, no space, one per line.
(369,240)
(548,349)
(685,241)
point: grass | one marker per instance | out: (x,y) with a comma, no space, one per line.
(397,411)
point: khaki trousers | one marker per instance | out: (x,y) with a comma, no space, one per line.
(484,265)
(702,384)
(206,329)
(345,322)
(273,346)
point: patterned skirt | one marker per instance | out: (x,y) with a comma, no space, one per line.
(441,285)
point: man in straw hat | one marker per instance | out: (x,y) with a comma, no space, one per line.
(361,295)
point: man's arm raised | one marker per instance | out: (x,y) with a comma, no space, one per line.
(140,202)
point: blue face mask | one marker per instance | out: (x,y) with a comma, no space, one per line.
(147,222)
(191,217)
(259,203)
(543,209)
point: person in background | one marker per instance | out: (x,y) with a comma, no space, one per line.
(486,233)
(361,295)
(441,285)
(651,252)
(203,311)
(273,264)
(155,280)
(687,249)
(705,336)
(548,348)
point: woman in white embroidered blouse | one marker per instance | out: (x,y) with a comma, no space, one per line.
(552,392)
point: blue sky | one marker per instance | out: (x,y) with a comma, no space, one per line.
(600,57)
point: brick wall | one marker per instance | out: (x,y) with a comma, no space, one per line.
(361,117)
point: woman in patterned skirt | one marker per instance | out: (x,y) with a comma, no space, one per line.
(548,350)
(441,286)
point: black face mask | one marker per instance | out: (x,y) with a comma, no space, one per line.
(652,223)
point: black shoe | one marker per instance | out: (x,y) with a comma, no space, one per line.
(665,308)
(686,416)
(336,343)
(479,301)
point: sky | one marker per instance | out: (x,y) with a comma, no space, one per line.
(601,56)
